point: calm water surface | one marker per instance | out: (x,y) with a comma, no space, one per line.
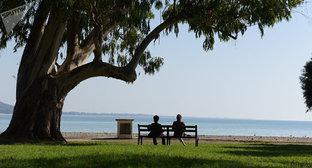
(207,126)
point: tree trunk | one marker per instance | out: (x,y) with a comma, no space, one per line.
(37,114)
(39,103)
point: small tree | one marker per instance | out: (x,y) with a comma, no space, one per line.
(116,33)
(306,84)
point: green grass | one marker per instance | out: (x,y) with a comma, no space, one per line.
(121,154)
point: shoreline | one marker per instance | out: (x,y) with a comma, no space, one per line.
(93,136)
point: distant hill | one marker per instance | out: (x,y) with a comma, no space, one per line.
(6,108)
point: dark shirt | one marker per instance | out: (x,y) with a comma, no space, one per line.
(156,130)
(178,128)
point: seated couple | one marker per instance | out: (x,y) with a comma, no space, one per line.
(157,131)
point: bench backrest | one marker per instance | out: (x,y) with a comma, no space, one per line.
(168,129)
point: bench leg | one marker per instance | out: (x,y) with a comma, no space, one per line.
(141,140)
(196,142)
(138,140)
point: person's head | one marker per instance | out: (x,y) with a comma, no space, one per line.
(179,117)
(156,118)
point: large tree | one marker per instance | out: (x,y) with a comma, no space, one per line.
(68,41)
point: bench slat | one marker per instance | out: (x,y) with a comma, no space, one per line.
(143,125)
(144,130)
(191,126)
(190,131)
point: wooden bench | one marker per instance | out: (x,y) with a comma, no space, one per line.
(168,133)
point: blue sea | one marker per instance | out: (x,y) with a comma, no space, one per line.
(206,126)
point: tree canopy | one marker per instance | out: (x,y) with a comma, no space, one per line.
(306,84)
(121,26)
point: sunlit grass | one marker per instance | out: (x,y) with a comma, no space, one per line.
(121,154)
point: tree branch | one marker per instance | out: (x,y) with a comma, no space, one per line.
(148,39)
(86,48)
(94,69)
(31,48)
(88,40)
(72,39)
(72,58)
(50,43)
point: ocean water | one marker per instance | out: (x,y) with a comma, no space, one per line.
(206,126)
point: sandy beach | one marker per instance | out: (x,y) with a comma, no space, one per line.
(92,136)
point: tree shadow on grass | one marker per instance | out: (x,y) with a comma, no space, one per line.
(77,144)
(121,160)
(74,144)
(271,150)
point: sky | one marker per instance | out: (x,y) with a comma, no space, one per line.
(250,78)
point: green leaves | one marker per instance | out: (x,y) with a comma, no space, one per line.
(158,4)
(228,18)
(306,84)
(211,19)
(149,64)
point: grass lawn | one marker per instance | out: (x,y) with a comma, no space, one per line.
(122,154)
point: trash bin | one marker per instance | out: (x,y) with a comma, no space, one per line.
(124,128)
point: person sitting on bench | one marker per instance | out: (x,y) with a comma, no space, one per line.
(178,128)
(156,131)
